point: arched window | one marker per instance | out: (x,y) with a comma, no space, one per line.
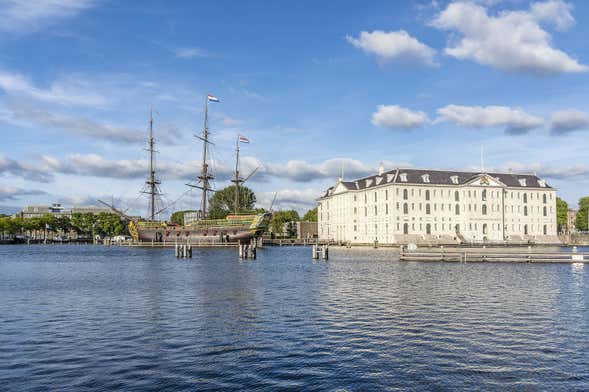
(427,209)
(545,211)
(406,228)
(428,229)
(485,229)
(544,198)
(484,193)
(484,209)
(427,195)
(405,194)
(525,210)
(525,197)
(526,229)
(456,196)
(457,228)
(457,209)
(405,208)
(545,230)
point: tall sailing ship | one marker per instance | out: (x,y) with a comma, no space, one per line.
(236,227)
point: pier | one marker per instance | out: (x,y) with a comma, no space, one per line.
(493,255)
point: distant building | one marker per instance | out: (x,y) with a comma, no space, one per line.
(571,220)
(191,217)
(433,207)
(58,210)
(306,230)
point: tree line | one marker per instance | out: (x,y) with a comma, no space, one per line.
(83,224)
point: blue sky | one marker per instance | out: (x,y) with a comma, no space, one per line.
(316,86)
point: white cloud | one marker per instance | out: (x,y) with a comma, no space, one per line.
(515,120)
(547,171)
(512,41)
(26,16)
(69,91)
(188,53)
(12,193)
(397,117)
(27,171)
(287,199)
(565,121)
(396,46)
(76,125)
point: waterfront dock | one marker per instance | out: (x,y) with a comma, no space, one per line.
(496,255)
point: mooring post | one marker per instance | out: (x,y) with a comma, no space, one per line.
(176,251)
(314,251)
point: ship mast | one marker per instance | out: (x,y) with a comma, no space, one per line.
(205,176)
(152,181)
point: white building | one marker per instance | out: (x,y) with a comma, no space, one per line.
(435,207)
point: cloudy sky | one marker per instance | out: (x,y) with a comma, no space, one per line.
(316,87)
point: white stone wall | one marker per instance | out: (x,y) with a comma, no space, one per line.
(363,216)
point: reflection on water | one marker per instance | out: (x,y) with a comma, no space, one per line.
(115,318)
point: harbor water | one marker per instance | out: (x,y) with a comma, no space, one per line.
(75,318)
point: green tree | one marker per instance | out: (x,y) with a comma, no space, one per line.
(582,212)
(222,203)
(280,218)
(109,224)
(178,216)
(562,209)
(311,215)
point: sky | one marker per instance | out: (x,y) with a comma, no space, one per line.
(319,88)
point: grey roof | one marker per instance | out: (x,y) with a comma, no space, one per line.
(441,177)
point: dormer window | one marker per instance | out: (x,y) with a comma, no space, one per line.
(454,179)
(368,183)
(425,178)
(403,177)
(542,183)
(522,181)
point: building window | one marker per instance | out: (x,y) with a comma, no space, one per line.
(456,196)
(386,194)
(545,230)
(365,211)
(428,229)
(526,229)
(485,229)
(457,228)
(405,194)
(525,197)
(403,177)
(375,197)
(375,211)
(427,194)
(427,209)
(454,179)
(545,211)
(405,208)
(457,209)
(425,178)
(406,228)
(525,210)
(522,181)
(484,195)
(544,198)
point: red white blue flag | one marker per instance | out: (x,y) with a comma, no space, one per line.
(243,139)
(212,98)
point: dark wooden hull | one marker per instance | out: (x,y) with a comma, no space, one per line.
(196,235)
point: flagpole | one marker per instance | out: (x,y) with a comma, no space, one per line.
(236,206)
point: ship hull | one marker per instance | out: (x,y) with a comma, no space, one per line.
(239,229)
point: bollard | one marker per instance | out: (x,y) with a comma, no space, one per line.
(324,252)
(314,253)
(176,251)
(189,251)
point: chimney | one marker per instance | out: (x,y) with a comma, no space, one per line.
(381,169)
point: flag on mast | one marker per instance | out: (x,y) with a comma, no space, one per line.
(243,139)
(212,98)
